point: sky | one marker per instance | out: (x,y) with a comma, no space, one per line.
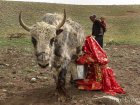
(88,2)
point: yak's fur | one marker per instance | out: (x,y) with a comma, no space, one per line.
(64,48)
(69,40)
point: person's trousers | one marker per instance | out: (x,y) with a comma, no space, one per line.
(99,39)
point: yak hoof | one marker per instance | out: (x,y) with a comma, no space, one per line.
(62,96)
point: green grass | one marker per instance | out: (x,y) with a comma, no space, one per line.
(123,21)
(14,42)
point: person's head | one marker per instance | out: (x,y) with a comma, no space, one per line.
(92,18)
(102,19)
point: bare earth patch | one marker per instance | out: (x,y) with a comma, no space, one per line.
(18,67)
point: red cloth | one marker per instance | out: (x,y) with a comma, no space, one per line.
(92,49)
(99,76)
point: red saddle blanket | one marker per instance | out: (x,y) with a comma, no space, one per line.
(99,76)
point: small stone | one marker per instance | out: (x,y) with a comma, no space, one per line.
(33,79)
(4,90)
(74,101)
(45,78)
(133,51)
(81,101)
(115,48)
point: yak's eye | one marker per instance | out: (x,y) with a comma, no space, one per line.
(34,41)
(51,41)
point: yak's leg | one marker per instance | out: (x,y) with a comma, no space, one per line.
(61,90)
(61,82)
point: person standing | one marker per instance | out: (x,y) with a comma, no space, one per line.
(98,29)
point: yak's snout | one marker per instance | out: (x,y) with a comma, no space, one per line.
(43,59)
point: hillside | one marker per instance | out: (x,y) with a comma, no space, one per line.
(123,21)
(18,64)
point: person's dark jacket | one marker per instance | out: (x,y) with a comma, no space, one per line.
(97,28)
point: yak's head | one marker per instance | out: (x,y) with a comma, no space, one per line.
(43,35)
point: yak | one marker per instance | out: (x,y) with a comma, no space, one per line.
(57,42)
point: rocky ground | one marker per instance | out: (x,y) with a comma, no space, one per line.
(22,82)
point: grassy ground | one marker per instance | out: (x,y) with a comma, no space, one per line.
(18,64)
(4,42)
(123,21)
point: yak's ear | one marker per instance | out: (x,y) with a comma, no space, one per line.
(59,31)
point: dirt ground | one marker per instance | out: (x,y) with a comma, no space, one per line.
(18,67)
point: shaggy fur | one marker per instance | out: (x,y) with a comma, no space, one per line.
(58,51)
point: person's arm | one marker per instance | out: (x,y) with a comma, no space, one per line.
(92,30)
(103,25)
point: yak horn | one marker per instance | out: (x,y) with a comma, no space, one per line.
(26,27)
(63,21)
